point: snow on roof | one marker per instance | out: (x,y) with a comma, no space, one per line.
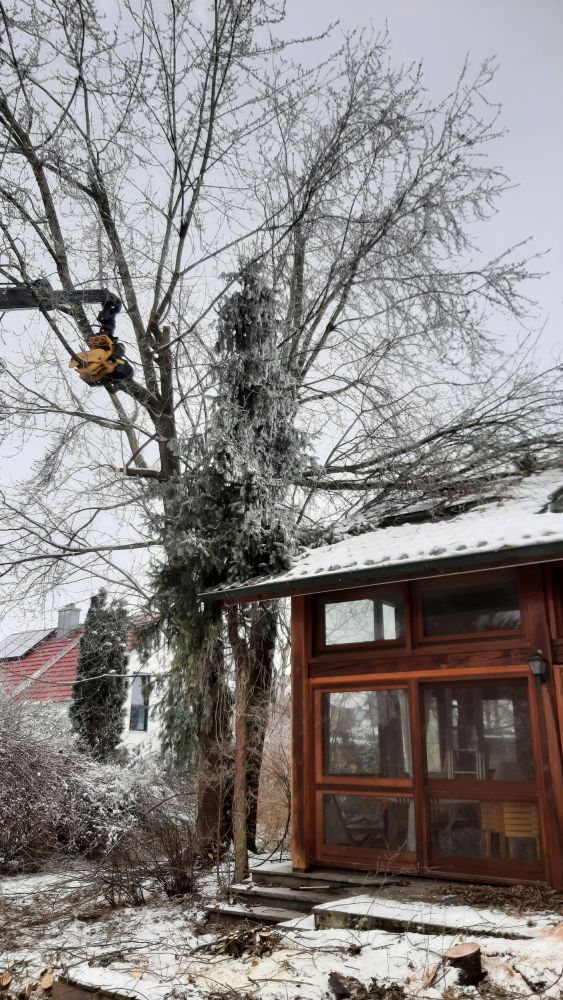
(519,523)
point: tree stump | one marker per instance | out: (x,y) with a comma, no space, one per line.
(467,958)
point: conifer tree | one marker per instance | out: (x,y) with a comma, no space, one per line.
(100,689)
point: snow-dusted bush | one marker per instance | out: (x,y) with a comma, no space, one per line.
(55,797)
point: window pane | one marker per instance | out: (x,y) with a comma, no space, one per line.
(367,732)
(140,691)
(455,610)
(508,830)
(478,731)
(138,718)
(377,619)
(364,821)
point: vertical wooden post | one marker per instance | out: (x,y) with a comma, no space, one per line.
(240,790)
(300,793)
(421,805)
(545,722)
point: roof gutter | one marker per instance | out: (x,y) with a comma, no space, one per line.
(258,591)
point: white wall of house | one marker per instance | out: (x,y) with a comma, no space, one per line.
(135,736)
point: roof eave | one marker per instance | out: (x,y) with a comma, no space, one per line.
(257,591)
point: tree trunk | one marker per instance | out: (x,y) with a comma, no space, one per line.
(215,765)
(240,790)
(214,796)
(262,647)
(466,957)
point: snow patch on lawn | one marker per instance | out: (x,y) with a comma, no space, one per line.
(164,950)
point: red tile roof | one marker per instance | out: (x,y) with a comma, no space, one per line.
(47,672)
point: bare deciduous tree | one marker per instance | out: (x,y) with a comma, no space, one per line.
(155,149)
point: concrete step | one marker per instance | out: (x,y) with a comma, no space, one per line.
(300,900)
(234,913)
(282,874)
(365,912)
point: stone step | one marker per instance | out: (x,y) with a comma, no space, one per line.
(282,874)
(367,912)
(300,900)
(234,913)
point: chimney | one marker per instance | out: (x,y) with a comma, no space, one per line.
(69,620)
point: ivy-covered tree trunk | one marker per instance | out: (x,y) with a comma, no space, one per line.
(263,635)
(214,737)
(252,637)
(225,519)
(214,827)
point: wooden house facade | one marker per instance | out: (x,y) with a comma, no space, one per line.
(427,695)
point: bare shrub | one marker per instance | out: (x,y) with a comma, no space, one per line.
(37,763)
(57,799)
(274,803)
(170,852)
(157,853)
(120,877)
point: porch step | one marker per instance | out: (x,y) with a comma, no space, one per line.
(282,874)
(367,912)
(300,900)
(234,913)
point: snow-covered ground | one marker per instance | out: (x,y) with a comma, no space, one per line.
(165,950)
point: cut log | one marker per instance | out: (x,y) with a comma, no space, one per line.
(5,980)
(467,958)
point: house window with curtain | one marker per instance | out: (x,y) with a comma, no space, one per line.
(140,695)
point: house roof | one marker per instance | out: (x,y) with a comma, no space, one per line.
(21,643)
(41,666)
(47,672)
(521,525)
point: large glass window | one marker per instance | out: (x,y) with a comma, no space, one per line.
(456,608)
(477,731)
(369,822)
(373,619)
(367,732)
(487,829)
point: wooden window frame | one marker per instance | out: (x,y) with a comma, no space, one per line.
(320,601)
(345,854)
(517,637)
(421,789)
(322,778)
(360,785)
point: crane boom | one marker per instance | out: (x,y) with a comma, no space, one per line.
(13,297)
(104,363)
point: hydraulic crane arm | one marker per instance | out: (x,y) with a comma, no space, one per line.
(104,363)
(14,297)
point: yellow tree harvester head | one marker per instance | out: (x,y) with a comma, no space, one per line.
(104,362)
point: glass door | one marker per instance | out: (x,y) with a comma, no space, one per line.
(363,779)
(480,777)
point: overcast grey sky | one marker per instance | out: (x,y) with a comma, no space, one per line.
(525,35)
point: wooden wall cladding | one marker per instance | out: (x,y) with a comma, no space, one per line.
(413,661)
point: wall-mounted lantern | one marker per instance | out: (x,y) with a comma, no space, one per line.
(538,665)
